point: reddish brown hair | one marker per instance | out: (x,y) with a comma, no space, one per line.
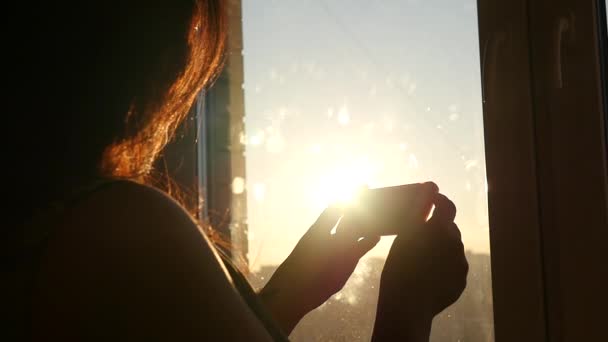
(155,114)
(106,84)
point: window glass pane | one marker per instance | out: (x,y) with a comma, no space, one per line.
(381,92)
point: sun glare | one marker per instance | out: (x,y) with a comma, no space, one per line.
(342,184)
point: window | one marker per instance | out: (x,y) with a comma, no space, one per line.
(320,95)
(341,93)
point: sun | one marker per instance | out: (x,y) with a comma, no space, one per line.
(343,183)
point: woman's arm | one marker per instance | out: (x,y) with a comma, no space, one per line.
(316,269)
(130,264)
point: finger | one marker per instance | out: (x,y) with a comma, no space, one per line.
(349,230)
(445,209)
(454,245)
(327,220)
(432,187)
(446,232)
(365,245)
(454,231)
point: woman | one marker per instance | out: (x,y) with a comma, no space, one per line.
(109,257)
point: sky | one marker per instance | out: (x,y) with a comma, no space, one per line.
(342,92)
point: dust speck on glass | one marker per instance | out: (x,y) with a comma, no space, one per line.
(347,92)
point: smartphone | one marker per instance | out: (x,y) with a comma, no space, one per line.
(389,210)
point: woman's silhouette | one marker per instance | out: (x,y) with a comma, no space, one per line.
(97,253)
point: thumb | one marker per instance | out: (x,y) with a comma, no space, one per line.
(445,209)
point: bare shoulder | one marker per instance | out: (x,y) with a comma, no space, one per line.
(132,259)
(129,203)
(128,217)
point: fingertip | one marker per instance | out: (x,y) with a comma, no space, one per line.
(331,213)
(432,186)
(445,209)
(371,239)
(375,240)
(366,244)
(334,210)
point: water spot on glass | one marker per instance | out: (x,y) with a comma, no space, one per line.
(413,161)
(468,186)
(282,112)
(412,89)
(428,109)
(454,116)
(389,82)
(315,149)
(330,112)
(243,138)
(373,91)
(310,67)
(257,139)
(343,116)
(259,191)
(439,127)
(273,74)
(238,185)
(257,88)
(403,146)
(469,164)
(319,74)
(453,108)
(362,73)
(295,67)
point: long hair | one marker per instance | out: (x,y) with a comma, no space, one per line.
(105,85)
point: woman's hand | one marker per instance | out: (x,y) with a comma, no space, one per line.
(425,272)
(316,269)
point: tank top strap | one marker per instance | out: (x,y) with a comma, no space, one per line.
(38,228)
(253,301)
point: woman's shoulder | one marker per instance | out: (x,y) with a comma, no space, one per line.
(125,195)
(125,219)
(129,253)
(125,212)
